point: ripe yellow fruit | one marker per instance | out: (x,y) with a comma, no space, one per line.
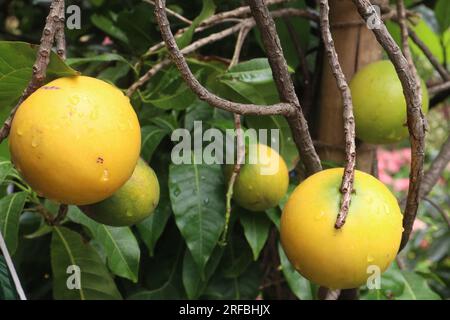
(75,140)
(344,258)
(132,203)
(262,181)
(379,104)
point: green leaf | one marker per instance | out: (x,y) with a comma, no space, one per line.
(69,249)
(300,286)
(152,227)
(208,10)
(256,230)
(178,100)
(194,283)
(11,207)
(7,289)
(6,168)
(106,57)
(151,138)
(16,62)
(274,215)
(197,194)
(119,243)
(109,27)
(442,10)
(399,284)
(256,71)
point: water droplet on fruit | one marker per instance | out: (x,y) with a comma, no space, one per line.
(105,175)
(386,208)
(370,258)
(320,215)
(74,100)
(34,142)
(19,132)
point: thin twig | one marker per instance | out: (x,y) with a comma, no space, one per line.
(61,215)
(415,117)
(439,209)
(438,166)
(240,157)
(239,43)
(172,13)
(53,20)
(297,122)
(427,52)
(349,119)
(248,23)
(218,102)
(437,89)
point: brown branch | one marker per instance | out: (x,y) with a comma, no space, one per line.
(61,215)
(218,102)
(285,86)
(172,13)
(415,117)
(440,210)
(240,153)
(53,20)
(426,51)
(349,119)
(437,89)
(239,44)
(247,23)
(438,166)
(60,36)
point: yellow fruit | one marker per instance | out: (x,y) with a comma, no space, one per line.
(379,104)
(75,140)
(132,203)
(262,181)
(339,259)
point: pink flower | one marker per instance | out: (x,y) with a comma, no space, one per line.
(401,184)
(385,178)
(107,41)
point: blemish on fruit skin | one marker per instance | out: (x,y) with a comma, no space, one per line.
(51,88)
(100,160)
(370,258)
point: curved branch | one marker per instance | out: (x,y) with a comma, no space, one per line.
(438,165)
(415,118)
(349,119)
(52,24)
(285,86)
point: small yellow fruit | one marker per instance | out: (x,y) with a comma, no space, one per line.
(132,203)
(379,104)
(344,258)
(75,140)
(262,181)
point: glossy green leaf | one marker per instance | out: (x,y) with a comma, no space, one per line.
(68,250)
(11,207)
(109,27)
(151,138)
(442,10)
(6,168)
(7,289)
(301,287)
(207,10)
(119,243)
(197,194)
(106,57)
(399,284)
(256,230)
(152,227)
(194,282)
